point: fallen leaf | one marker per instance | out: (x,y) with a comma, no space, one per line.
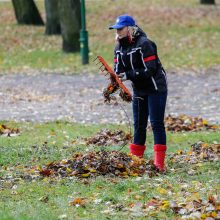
(44,199)
(78,202)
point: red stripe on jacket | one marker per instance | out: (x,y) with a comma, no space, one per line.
(115,60)
(146,59)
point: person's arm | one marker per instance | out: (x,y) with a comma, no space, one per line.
(149,59)
(118,66)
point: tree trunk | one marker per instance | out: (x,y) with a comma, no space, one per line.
(26,12)
(52,17)
(70,21)
(211,2)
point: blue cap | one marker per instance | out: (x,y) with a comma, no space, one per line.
(123,21)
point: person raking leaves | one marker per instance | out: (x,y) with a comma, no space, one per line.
(136,59)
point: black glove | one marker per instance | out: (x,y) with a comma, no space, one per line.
(122,76)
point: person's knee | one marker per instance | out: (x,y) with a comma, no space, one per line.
(140,135)
(157,125)
(140,127)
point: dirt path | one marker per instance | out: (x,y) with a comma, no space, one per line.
(79,98)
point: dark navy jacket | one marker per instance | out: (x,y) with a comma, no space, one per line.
(141,63)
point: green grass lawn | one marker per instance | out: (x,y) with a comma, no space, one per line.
(187,35)
(49,198)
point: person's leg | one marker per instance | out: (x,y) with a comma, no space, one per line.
(157,104)
(140,115)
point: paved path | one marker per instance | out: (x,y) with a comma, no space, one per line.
(78,98)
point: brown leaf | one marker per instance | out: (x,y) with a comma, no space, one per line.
(44,199)
(46,172)
(7,131)
(78,202)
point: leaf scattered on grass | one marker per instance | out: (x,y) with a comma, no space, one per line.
(44,199)
(187,123)
(78,202)
(7,131)
(46,172)
(63,216)
(193,209)
(106,137)
(198,153)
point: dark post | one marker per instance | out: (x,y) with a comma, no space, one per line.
(84,48)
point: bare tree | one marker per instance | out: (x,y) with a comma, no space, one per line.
(26,12)
(70,20)
(211,2)
(52,17)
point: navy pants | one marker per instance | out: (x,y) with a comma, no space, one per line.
(152,105)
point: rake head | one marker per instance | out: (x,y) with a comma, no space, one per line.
(115,84)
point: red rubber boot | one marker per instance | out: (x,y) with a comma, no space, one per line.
(159,156)
(137,150)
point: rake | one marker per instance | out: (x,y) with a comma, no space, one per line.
(115,83)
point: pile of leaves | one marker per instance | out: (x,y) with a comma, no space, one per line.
(199,152)
(106,137)
(7,131)
(187,123)
(119,164)
(191,209)
(112,163)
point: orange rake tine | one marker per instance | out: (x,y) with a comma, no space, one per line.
(114,78)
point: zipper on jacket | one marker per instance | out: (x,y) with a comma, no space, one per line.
(131,61)
(153,80)
(142,57)
(121,56)
(117,63)
(165,76)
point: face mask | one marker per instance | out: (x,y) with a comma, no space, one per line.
(125,41)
